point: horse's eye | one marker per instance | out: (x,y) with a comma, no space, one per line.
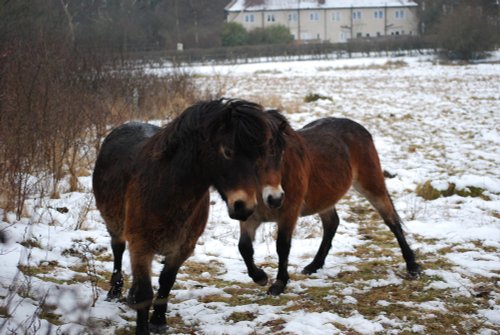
(227,153)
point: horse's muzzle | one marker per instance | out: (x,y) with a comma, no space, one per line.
(273,196)
(239,211)
(240,204)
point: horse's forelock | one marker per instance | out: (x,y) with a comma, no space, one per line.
(251,131)
(280,127)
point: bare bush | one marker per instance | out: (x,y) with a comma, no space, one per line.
(466,33)
(58,103)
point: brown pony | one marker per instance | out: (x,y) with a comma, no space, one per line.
(320,163)
(152,184)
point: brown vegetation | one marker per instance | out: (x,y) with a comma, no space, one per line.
(56,105)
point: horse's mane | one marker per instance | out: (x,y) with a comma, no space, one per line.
(280,128)
(284,135)
(204,120)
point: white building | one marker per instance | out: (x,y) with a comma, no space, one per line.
(328,20)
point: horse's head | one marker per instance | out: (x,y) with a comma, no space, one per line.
(270,175)
(245,144)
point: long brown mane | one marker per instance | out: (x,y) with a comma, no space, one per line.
(200,122)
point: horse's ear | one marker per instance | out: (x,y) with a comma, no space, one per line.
(284,125)
(280,119)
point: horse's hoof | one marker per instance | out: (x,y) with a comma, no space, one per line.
(415,271)
(277,288)
(260,278)
(114,295)
(158,328)
(309,270)
(262,282)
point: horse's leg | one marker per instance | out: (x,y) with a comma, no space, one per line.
(283,244)
(158,322)
(393,220)
(380,199)
(330,221)
(140,295)
(247,236)
(118,247)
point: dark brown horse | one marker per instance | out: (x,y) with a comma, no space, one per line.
(320,163)
(152,184)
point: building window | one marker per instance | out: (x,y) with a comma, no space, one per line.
(359,35)
(399,14)
(292,17)
(356,15)
(270,18)
(336,16)
(314,16)
(378,14)
(249,18)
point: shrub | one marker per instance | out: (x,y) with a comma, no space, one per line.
(233,34)
(276,34)
(465,33)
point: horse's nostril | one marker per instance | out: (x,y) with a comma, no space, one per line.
(239,206)
(240,211)
(275,202)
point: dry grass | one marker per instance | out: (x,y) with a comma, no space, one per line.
(429,192)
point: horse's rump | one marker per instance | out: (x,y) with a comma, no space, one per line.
(113,170)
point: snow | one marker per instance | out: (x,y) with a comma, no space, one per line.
(239,5)
(430,122)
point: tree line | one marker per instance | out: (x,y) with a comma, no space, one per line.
(141,25)
(120,25)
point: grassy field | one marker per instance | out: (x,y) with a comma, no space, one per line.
(436,128)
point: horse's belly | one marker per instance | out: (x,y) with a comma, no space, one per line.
(179,240)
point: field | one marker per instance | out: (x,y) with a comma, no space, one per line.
(436,127)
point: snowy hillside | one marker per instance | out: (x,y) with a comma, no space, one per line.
(437,130)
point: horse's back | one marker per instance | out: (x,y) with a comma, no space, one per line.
(337,139)
(343,151)
(113,169)
(333,128)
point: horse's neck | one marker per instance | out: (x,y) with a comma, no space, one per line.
(189,170)
(171,187)
(296,146)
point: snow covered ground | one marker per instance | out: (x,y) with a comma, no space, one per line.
(435,125)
